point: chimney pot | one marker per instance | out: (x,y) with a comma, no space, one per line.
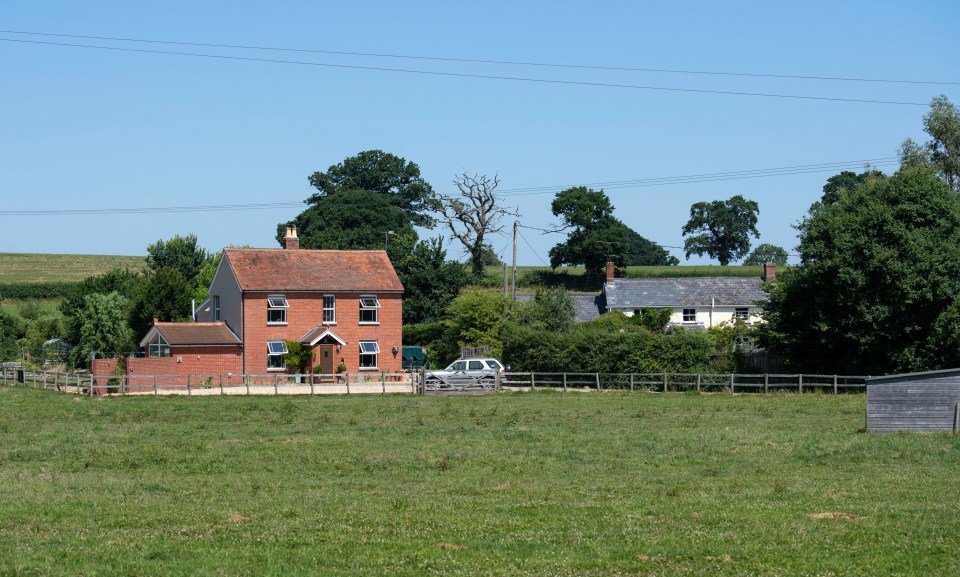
(291,241)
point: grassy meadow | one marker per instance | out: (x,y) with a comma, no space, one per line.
(512,484)
(40,268)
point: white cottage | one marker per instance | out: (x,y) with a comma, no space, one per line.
(695,302)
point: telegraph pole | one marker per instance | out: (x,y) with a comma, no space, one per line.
(513,295)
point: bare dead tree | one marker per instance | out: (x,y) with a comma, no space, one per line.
(474,214)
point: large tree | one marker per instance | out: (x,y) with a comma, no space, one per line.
(104,328)
(354,220)
(121,281)
(430,281)
(942,151)
(846,181)
(181,253)
(878,287)
(595,234)
(765,253)
(474,214)
(163,295)
(721,228)
(396,179)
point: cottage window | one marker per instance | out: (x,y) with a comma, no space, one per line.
(369,351)
(329,309)
(276,359)
(742,313)
(369,305)
(277,310)
(159,347)
(216,307)
(689,315)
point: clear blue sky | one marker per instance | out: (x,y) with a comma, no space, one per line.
(98,129)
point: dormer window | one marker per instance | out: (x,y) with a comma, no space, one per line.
(369,305)
(159,347)
(277,310)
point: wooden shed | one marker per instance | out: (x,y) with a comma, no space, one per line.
(927,401)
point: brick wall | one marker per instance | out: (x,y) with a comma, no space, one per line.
(306,311)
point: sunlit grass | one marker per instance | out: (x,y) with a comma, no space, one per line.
(513,484)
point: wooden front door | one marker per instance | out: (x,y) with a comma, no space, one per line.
(325,359)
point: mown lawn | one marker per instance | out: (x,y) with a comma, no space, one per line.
(515,484)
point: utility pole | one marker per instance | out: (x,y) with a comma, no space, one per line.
(513,295)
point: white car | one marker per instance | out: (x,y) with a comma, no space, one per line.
(471,372)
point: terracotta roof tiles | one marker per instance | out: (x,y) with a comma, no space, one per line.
(277,269)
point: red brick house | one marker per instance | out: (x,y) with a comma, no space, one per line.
(344,305)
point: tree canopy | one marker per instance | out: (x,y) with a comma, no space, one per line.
(474,214)
(180,253)
(379,172)
(878,285)
(721,228)
(354,220)
(163,295)
(765,253)
(430,281)
(596,234)
(103,326)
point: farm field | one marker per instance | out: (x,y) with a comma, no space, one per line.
(39,268)
(512,484)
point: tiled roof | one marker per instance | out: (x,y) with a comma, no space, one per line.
(586,307)
(628,293)
(197,334)
(277,269)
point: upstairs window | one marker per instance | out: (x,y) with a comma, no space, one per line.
(369,305)
(742,313)
(216,307)
(276,359)
(329,309)
(369,352)
(689,315)
(277,310)
(159,347)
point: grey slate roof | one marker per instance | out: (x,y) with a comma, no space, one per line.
(634,293)
(586,306)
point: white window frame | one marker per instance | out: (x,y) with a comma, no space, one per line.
(158,347)
(277,303)
(332,309)
(277,351)
(689,312)
(741,313)
(371,350)
(216,307)
(370,303)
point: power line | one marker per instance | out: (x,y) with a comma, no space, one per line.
(467,75)
(636,183)
(537,254)
(484,61)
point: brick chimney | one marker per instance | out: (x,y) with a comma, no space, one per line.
(769,271)
(291,241)
(609,272)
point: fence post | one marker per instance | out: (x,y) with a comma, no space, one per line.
(596,377)
(766,383)
(631,382)
(276,384)
(564,382)
(698,382)
(155,392)
(246,381)
(800,382)
(311,383)
(91,383)
(496,381)
(347,375)
(533,381)
(834,384)
(732,384)
(189,392)
(383,384)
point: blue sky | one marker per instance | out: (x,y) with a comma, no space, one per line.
(98,129)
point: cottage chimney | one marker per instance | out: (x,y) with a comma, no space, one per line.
(291,241)
(609,272)
(769,271)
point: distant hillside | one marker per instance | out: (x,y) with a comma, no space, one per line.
(54,268)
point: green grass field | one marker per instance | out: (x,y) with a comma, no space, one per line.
(35,268)
(513,484)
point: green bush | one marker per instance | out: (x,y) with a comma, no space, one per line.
(44,290)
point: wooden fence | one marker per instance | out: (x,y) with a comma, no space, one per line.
(412,383)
